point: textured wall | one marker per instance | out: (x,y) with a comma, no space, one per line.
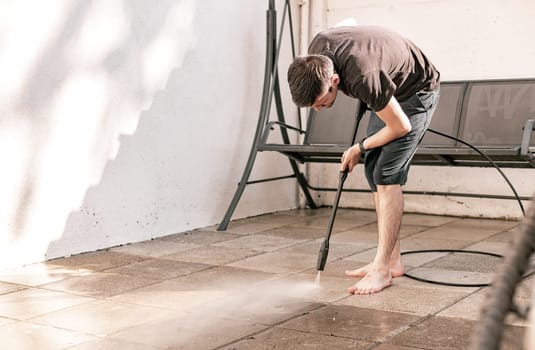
(126,120)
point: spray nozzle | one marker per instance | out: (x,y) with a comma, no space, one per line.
(322,257)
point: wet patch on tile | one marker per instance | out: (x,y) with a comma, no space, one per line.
(101,317)
(160,269)
(284,339)
(189,332)
(100,284)
(33,336)
(31,302)
(96,261)
(351,322)
(112,344)
(278,262)
(196,291)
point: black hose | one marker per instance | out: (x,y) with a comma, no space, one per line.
(489,160)
(458,250)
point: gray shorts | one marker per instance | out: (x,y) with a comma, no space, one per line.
(389,164)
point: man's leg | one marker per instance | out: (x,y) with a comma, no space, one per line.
(390,210)
(396,266)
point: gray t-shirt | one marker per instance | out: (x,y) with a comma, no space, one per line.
(375,64)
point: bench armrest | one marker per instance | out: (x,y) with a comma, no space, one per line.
(529,127)
(270,126)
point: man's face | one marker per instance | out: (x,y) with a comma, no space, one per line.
(327,99)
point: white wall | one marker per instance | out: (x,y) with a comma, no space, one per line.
(126,120)
(474,39)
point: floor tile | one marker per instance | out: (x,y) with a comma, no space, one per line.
(248,227)
(192,333)
(460,261)
(31,302)
(362,217)
(410,300)
(341,223)
(326,289)
(31,336)
(415,242)
(270,309)
(4,320)
(6,288)
(100,284)
(160,269)
(336,268)
(494,247)
(459,277)
(337,249)
(41,273)
(154,248)
(505,236)
(112,344)
(467,230)
(450,333)
(284,339)
(305,212)
(278,262)
(212,255)
(200,237)
(192,293)
(471,307)
(259,242)
(102,317)
(427,220)
(296,232)
(276,220)
(351,322)
(96,261)
(394,347)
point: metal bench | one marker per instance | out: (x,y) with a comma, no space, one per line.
(491,115)
(496,116)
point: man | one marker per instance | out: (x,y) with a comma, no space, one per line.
(401,87)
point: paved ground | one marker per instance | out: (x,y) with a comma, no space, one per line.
(253,287)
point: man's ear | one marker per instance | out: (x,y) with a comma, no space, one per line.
(335,79)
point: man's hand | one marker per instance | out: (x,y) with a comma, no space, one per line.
(350,158)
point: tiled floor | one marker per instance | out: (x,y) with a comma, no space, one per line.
(253,287)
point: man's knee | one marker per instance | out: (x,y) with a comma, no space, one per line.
(391,188)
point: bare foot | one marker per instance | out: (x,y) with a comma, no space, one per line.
(373,282)
(396,270)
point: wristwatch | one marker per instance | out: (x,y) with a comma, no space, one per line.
(361,146)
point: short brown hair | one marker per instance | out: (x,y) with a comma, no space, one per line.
(308,77)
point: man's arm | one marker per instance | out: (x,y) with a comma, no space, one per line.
(397,124)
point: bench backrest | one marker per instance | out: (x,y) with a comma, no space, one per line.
(335,125)
(483,113)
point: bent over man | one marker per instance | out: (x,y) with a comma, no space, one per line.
(401,87)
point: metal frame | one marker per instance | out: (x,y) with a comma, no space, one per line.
(271,88)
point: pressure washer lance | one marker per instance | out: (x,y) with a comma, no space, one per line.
(324,250)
